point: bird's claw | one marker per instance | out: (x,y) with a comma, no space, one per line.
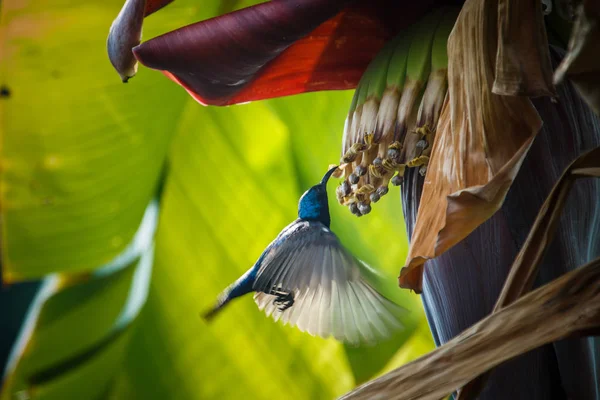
(283,299)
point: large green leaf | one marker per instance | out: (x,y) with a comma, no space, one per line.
(227,196)
(77,328)
(234,182)
(82,155)
(79,167)
(82,152)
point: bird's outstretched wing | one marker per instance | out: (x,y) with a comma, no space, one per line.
(325,288)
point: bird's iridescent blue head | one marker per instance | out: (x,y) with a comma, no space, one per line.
(313,204)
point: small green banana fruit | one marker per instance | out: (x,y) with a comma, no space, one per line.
(394,111)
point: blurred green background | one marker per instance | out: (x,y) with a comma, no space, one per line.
(86,158)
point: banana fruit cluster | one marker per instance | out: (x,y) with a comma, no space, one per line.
(394,112)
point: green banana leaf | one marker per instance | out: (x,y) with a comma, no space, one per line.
(83,155)
(78,327)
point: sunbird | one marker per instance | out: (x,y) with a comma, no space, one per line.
(306,278)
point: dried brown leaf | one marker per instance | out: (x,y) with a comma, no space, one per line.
(482,139)
(522,62)
(582,63)
(568,306)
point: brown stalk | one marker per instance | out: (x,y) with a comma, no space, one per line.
(570,305)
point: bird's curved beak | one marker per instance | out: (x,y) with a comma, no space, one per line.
(328,175)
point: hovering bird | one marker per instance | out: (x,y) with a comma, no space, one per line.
(306,278)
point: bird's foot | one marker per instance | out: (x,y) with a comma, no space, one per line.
(283,300)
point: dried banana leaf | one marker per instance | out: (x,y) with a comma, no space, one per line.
(482,137)
(522,61)
(567,306)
